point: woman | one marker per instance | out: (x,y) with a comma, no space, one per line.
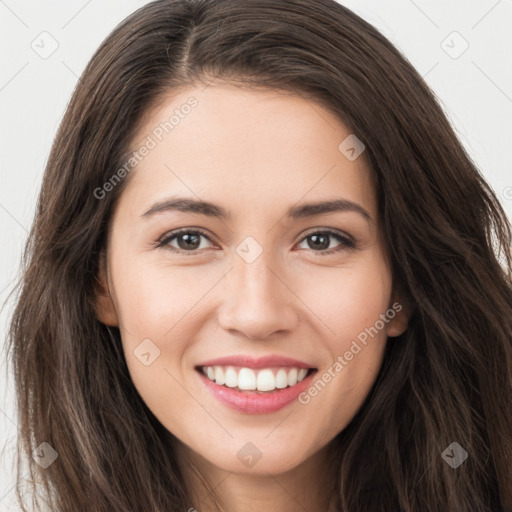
(263,273)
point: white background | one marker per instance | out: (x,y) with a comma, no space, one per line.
(475,90)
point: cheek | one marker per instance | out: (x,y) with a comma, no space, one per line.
(352,308)
(350,299)
(155,306)
(155,299)
(159,307)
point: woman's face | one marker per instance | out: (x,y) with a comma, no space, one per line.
(257,287)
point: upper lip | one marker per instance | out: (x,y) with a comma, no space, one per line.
(256,362)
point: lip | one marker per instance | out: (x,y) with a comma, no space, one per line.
(250,402)
(256,363)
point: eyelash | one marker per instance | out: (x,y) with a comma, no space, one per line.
(346,243)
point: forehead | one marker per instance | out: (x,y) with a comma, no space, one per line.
(244,148)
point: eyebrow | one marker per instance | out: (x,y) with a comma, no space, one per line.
(295,212)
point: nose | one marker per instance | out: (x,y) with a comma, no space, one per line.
(257,301)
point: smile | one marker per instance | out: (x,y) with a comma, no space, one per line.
(255,386)
(247,379)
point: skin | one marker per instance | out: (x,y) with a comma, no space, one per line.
(255,153)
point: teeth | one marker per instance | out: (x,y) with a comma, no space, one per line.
(292,377)
(266,381)
(231,378)
(219,375)
(247,379)
(281,379)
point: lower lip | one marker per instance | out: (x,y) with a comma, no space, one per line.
(256,403)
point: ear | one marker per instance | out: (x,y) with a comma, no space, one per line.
(103,304)
(398,323)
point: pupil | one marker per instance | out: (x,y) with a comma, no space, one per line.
(325,245)
(187,238)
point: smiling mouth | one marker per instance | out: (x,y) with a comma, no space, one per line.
(262,380)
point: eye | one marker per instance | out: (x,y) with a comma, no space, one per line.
(188,241)
(321,240)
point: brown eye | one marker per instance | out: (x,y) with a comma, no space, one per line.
(187,241)
(319,241)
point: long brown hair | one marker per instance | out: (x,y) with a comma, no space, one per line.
(447,379)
